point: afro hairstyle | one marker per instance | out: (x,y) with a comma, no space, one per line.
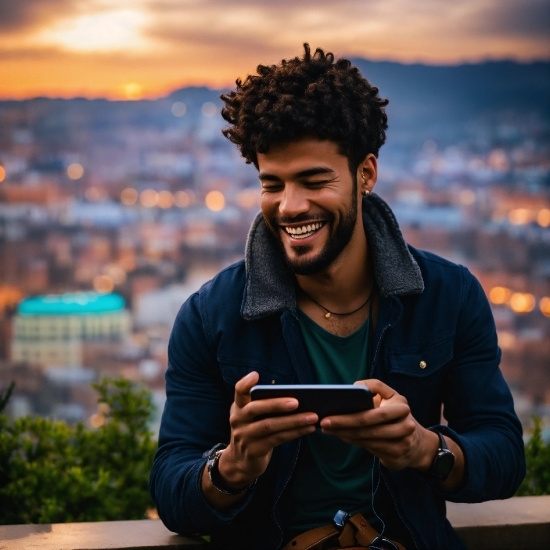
(312,96)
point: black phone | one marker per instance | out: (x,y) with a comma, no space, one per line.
(322,399)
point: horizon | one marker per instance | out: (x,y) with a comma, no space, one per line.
(167,93)
(132,49)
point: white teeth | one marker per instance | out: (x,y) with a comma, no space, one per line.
(304,231)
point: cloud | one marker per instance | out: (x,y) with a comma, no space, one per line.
(527,18)
(19,15)
(424,29)
(168,43)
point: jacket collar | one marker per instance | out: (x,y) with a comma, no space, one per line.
(270,282)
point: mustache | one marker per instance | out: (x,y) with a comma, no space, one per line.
(301,218)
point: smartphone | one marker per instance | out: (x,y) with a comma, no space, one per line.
(322,399)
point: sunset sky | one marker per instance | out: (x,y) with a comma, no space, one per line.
(146,48)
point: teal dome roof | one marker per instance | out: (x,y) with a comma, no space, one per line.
(80,303)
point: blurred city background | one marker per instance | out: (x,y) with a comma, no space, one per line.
(118,200)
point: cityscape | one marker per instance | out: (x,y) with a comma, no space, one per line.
(113,212)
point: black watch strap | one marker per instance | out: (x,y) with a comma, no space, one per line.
(213,458)
(443,461)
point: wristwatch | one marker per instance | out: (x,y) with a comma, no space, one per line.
(213,458)
(443,461)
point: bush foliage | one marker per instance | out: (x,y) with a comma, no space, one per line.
(537,455)
(51,472)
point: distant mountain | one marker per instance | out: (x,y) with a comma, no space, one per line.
(425,100)
(463,91)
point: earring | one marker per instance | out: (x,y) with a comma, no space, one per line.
(365,192)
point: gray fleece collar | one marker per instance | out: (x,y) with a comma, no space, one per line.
(270,282)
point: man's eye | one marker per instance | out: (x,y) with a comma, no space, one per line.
(315,183)
(271,188)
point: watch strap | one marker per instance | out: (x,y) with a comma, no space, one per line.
(213,458)
(443,461)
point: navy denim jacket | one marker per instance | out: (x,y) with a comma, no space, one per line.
(244,319)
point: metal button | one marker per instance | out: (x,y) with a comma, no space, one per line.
(423,364)
(273,381)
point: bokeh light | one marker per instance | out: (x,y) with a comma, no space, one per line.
(117,273)
(499,295)
(215,201)
(2,173)
(248,198)
(467,197)
(179,109)
(103,284)
(129,196)
(520,216)
(75,171)
(149,198)
(97,420)
(522,302)
(506,340)
(544,306)
(543,217)
(94,194)
(209,109)
(182,199)
(165,199)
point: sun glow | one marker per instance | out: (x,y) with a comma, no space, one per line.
(98,32)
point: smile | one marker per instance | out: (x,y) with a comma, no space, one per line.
(304,231)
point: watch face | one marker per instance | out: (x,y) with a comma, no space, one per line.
(443,463)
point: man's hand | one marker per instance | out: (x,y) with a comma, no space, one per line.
(252,441)
(389,431)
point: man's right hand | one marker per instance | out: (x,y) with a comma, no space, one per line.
(252,441)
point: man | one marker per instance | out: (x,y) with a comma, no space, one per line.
(329,293)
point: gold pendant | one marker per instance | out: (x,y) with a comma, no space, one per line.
(327,315)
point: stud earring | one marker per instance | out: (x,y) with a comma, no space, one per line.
(365,192)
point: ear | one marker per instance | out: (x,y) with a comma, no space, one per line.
(367,173)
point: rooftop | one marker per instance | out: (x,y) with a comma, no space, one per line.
(80,303)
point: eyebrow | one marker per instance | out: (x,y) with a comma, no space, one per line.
(299,175)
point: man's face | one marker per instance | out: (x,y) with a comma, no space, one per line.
(309,202)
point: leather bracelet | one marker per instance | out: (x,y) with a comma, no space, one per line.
(214,474)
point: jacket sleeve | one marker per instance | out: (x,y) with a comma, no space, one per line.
(195,418)
(478,405)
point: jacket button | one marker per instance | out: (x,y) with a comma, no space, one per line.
(423,364)
(273,381)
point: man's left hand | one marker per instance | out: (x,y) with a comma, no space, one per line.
(389,431)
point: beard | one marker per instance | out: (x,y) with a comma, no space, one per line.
(338,239)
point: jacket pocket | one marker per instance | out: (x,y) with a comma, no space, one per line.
(422,361)
(233,370)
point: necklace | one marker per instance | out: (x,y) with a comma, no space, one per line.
(327,311)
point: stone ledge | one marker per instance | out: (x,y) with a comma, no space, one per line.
(515,524)
(144,534)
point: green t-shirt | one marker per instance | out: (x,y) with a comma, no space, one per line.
(332,475)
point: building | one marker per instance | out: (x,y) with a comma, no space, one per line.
(51,330)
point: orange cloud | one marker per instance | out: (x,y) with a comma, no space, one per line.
(99,48)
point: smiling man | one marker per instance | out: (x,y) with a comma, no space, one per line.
(330,293)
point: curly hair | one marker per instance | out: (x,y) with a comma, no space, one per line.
(312,96)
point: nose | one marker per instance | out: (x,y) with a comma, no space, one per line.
(294,201)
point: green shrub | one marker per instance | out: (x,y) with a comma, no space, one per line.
(51,472)
(537,456)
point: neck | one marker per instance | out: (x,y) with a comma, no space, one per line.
(345,283)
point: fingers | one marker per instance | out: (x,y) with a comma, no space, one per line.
(402,426)
(378,387)
(391,413)
(243,387)
(273,435)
